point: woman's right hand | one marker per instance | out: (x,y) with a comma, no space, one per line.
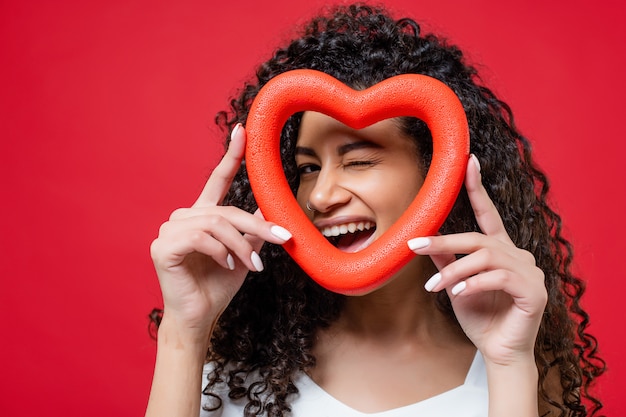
(203,253)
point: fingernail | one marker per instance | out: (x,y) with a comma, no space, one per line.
(280,232)
(231,262)
(432,282)
(418,243)
(458,288)
(234,132)
(256,261)
(476,161)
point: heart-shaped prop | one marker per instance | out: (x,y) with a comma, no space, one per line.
(405,95)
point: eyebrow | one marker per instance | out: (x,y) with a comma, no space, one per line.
(342,150)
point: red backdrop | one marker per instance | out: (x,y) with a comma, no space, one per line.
(106,112)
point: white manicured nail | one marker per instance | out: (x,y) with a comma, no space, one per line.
(476,161)
(432,282)
(230,261)
(234,132)
(256,261)
(280,232)
(458,288)
(418,243)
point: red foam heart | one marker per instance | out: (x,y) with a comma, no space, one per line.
(405,95)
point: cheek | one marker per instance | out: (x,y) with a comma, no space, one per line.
(393,191)
(301,198)
(302,193)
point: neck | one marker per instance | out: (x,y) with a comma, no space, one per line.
(400,310)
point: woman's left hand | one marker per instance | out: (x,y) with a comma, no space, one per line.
(497,290)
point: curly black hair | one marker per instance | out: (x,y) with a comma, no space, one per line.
(269,328)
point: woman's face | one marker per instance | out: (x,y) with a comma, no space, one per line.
(359,182)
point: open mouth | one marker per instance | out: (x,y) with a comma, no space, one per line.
(350,237)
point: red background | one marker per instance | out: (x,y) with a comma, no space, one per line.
(106,112)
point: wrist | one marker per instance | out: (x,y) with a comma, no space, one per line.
(174,334)
(177,381)
(509,360)
(520,371)
(513,386)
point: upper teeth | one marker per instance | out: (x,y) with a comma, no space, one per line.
(342,229)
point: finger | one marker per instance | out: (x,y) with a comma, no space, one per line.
(529,295)
(442,260)
(485,211)
(476,263)
(241,233)
(467,269)
(212,235)
(243,221)
(457,244)
(257,242)
(170,253)
(484,254)
(422,246)
(222,176)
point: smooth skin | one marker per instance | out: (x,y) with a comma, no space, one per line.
(203,253)
(412,350)
(201,256)
(498,295)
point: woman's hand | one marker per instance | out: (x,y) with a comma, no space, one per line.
(203,253)
(497,291)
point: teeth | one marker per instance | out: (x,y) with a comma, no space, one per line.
(343,229)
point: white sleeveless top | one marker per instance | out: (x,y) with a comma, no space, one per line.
(467,400)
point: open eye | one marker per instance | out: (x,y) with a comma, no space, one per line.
(306,169)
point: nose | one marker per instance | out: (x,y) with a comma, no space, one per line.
(328,192)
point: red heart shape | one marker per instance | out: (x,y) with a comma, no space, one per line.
(405,95)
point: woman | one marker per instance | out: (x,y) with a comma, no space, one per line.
(488,306)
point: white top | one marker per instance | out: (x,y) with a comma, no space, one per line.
(467,400)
